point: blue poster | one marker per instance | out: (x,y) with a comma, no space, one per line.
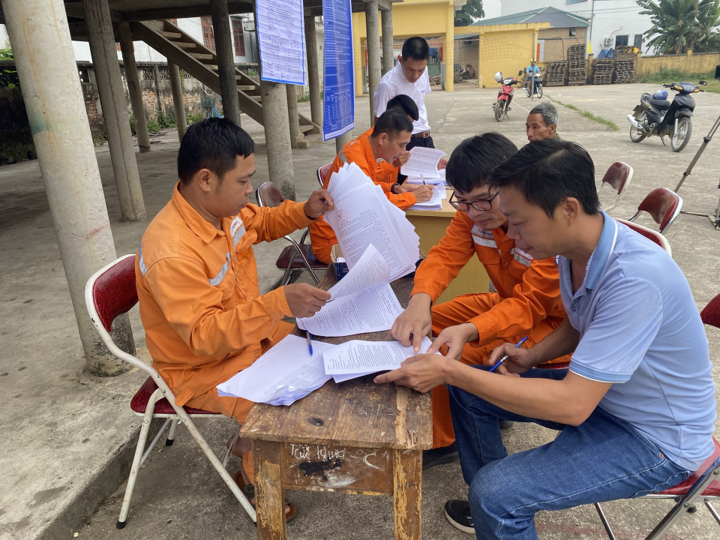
(281,38)
(339,102)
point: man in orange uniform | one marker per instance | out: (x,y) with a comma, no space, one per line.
(388,139)
(527,301)
(197,279)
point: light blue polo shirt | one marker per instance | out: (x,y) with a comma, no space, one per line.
(641,330)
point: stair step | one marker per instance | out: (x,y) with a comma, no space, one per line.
(170,35)
(246,87)
(307,128)
(202,56)
(184,44)
(310,140)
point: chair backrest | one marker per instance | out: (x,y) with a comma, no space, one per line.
(114,291)
(268,195)
(322,173)
(663,205)
(655,236)
(618,177)
(710,314)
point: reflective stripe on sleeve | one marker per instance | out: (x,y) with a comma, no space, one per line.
(141,261)
(217,279)
(479,240)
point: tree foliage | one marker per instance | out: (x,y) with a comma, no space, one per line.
(7,75)
(470,12)
(682,25)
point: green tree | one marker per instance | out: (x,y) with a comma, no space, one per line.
(679,25)
(470,12)
(7,75)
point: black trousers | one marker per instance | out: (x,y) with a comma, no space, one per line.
(426,142)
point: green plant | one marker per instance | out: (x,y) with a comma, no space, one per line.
(192,118)
(469,13)
(7,76)
(587,114)
(132,124)
(165,121)
(153,125)
(682,25)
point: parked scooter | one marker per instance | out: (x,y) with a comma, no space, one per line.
(656,116)
(537,84)
(505,95)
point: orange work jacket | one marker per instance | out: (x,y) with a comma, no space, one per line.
(200,304)
(528,289)
(359,152)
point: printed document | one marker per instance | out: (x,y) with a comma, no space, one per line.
(364,357)
(423,161)
(435,202)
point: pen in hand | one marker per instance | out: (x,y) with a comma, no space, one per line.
(523,340)
(422,177)
(308,337)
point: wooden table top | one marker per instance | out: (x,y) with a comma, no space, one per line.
(354,413)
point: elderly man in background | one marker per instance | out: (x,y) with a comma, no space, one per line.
(542,122)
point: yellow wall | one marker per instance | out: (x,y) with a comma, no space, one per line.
(426,18)
(695,63)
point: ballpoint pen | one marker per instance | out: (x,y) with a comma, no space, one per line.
(308,337)
(422,177)
(523,340)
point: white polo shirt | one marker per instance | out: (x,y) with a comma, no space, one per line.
(394,83)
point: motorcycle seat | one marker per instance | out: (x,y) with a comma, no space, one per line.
(658,103)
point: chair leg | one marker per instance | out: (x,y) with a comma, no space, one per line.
(171,435)
(287,275)
(713,511)
(147,419)
(605,522)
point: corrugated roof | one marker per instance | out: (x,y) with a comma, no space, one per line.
(556,17)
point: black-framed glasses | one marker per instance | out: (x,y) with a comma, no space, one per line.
(481,205)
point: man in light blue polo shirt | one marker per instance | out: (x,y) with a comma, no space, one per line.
(635,409)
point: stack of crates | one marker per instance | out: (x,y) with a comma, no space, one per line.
(555,73)
(602,71)
(625,58)
(576,65)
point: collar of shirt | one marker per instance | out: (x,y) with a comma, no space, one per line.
(197,224)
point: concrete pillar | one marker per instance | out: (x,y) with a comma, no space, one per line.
(295,134)
(114,108)
(277,137)
(449,49)
(387,41)
(372,22)
(55,106)
(226,59)
(316,103)
(178,100)
(342,140)
(133,82)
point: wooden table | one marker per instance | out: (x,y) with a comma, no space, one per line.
(430,225)
(355,437)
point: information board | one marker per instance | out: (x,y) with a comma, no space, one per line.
(281,38)
(339,102)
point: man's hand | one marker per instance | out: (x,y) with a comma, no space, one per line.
(401,159)
(423,193)
(414,322)
(519,360)
(442,164)
(304,299)
(455,337)
(318,203)
(422,372)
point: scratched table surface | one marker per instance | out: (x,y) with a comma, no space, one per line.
(356,413)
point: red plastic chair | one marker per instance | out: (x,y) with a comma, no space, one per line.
(322,172)
(618,177)
(703,485)
(110,292)
(655,236)
(296,256)
(663,205)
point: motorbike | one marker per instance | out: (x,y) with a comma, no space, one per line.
(505,96)
(538,84)
(656,116)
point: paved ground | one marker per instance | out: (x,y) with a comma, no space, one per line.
(63,430)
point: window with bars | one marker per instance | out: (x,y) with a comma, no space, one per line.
(238,38)
(208,33)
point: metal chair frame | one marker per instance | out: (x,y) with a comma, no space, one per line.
(671,219)
(163,391)
(321,172)
(657,237)
(609,180)
(288,270)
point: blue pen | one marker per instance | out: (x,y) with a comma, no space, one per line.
(308,337)
(523,340)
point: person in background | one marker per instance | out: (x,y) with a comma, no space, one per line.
(542,122)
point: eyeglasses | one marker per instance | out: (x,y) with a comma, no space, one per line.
(481,205)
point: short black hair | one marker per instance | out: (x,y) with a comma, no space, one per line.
(549,171)
(213,144)
(416,48)
(392,122)
(474,159)
(406,103)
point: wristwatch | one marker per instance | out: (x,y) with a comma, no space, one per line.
(392,188)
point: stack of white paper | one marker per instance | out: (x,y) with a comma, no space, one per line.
(435,180)
(435,203)
(423,161)
(284,374)
(363,216)
(357,358)
(361,302)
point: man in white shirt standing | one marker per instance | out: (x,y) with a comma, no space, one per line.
(409,77)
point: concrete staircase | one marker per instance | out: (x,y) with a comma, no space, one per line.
(200,62)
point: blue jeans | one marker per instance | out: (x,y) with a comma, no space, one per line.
(602,459)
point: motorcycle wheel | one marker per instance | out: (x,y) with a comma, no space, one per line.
(538,91)
(635,134)
(500,110)
(681,138)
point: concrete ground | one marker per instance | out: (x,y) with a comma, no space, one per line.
(67,435)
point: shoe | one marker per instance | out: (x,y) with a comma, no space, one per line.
(440,456)
(506,424)
(458,514)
